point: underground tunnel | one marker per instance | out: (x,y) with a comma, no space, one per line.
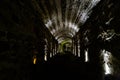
(57,39)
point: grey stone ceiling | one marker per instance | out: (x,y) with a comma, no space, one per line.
(64,17)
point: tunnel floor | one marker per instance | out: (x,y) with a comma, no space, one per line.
(66,66)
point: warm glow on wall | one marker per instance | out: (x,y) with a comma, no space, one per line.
(34,59)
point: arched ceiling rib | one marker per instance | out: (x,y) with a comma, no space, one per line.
(64,17)
(64,30)
(65,35)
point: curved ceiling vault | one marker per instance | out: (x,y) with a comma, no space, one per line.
(64,17)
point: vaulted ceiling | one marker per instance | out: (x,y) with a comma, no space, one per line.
(64,17)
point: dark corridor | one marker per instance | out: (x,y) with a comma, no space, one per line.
(58,39)
(66,66)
